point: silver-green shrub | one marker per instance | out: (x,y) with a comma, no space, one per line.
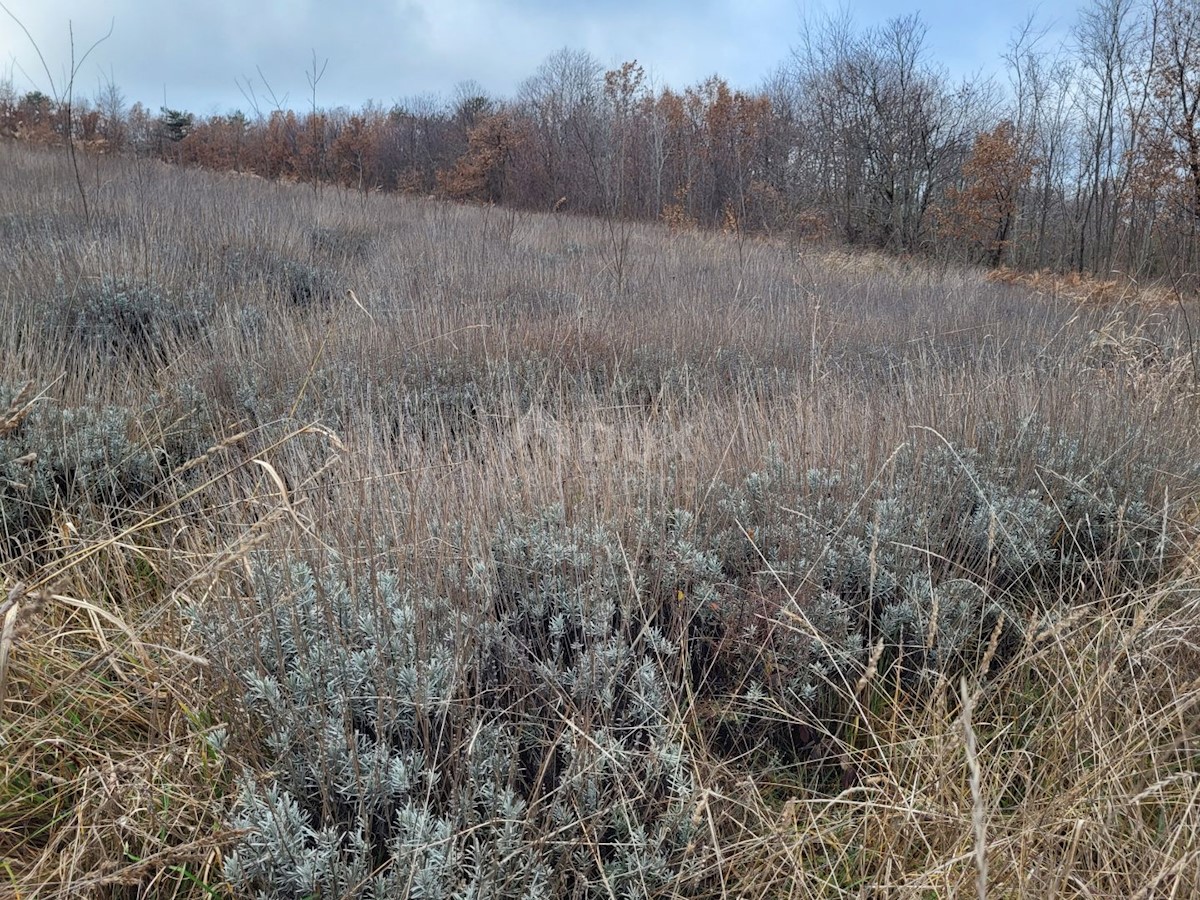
(518,741)
(125,320)
(87,461)
(931,554)
(519,730)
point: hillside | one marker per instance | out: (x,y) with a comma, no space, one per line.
(361,545)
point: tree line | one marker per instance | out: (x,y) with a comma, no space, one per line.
(1079,155)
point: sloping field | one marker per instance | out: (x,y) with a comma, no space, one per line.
(382,547)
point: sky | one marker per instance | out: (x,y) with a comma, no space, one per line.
(193,54)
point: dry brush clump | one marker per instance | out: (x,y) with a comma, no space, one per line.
(526,750)
(753,570)
(94,464)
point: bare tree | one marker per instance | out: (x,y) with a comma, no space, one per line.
(1041,80)
(887,130)
(110,103)
(64,97)
(1114,45)
(1173,128)
(560,102)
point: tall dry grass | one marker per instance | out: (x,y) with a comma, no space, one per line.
(490,365)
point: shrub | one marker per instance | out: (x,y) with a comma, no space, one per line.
(301,284)
(519,743)
(818,565)
(342,243)
(85,460)
(295,282)
(532,710)
(126,321)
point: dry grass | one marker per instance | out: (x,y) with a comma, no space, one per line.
(493,363)
(1071,773)
(1079,288)
(105,765)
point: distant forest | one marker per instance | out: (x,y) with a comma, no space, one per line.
(1078,156)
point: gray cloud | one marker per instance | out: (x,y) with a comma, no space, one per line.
(188,54)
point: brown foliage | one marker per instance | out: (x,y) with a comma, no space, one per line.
(1080,288)
(354,152)
(480,173)
(982,211)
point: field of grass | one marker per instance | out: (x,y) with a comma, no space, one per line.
(383,547)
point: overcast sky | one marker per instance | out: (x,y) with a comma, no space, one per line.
(188,54)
